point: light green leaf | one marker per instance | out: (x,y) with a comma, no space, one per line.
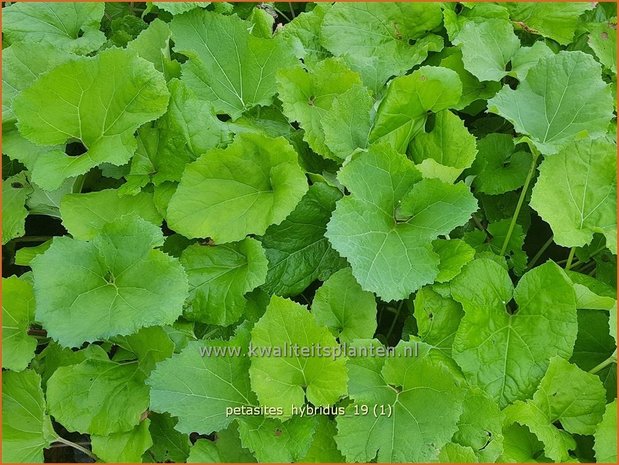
(112,285)
(22,64)
(25,255)
(220,276)
(394,217)
(499,168)
(169,445)
(308,95)
(437,318)
(423,396)
(297,249)
(274,441)
(286,379)
(99,397)
(559,22)
(15,192)
(177,8)
(126,447)
(506,351)
(226,448)
(527,57)
(480,426)
(303,34)
(198,384)
(323,448)
(228,66)
(576,193)
(380,41)
(342,306)
(403,112)
(55,356)
(346,125)
(17,315)
(520,445)
(453,255)
(26,429)
(455,453)
(446,151)
(153,44)
(603,41)
(148,345)
(606,436)
(84,215)
(224,196)
(98,101)
(562,98)
(567,395)
(67,26)
(487,47)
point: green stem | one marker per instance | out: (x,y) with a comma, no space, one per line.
(396,317)
(78,447)
(570,258)
(523,194)
(540,252)
(609,361)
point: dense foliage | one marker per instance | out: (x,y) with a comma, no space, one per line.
(187,183)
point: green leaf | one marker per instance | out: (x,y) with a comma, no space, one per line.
(527,57)
(84,215)
(274,441)
(346,125)
(308,95)
(26,429)
(455,453)
(55,356)
(437,318)
(603,41)
(558,22)
(17,315)
(563,98)
(112,285)
(445,151)
(342,306)
(25,255)
(297,249)
(126,447)
(380,41)
(423,396)
(99,397)
(229,193)
(521,445)
(303,34)
(480,426)
(148,345)
(177,8)
(22,64)
(403,112)
(15,192)
(575,193)
(286,378)
(487,47)
(606,436)
(394,217)
(506,351)
(323,448)
(220,276)
(567,395)
(69,26)
(453,255)
(169,445)
(499,168)
(153,44)
(228,66)
(198,388)
(98,101)
(226,448)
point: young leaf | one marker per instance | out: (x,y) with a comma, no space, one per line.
(220,276)
(606,436)
(285,381)
(15,192)
(127,447)
(17,315)
(26,429)
(563,98)
(99,102)
(112,285)
(506,351)
(224,196)
(228,66)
